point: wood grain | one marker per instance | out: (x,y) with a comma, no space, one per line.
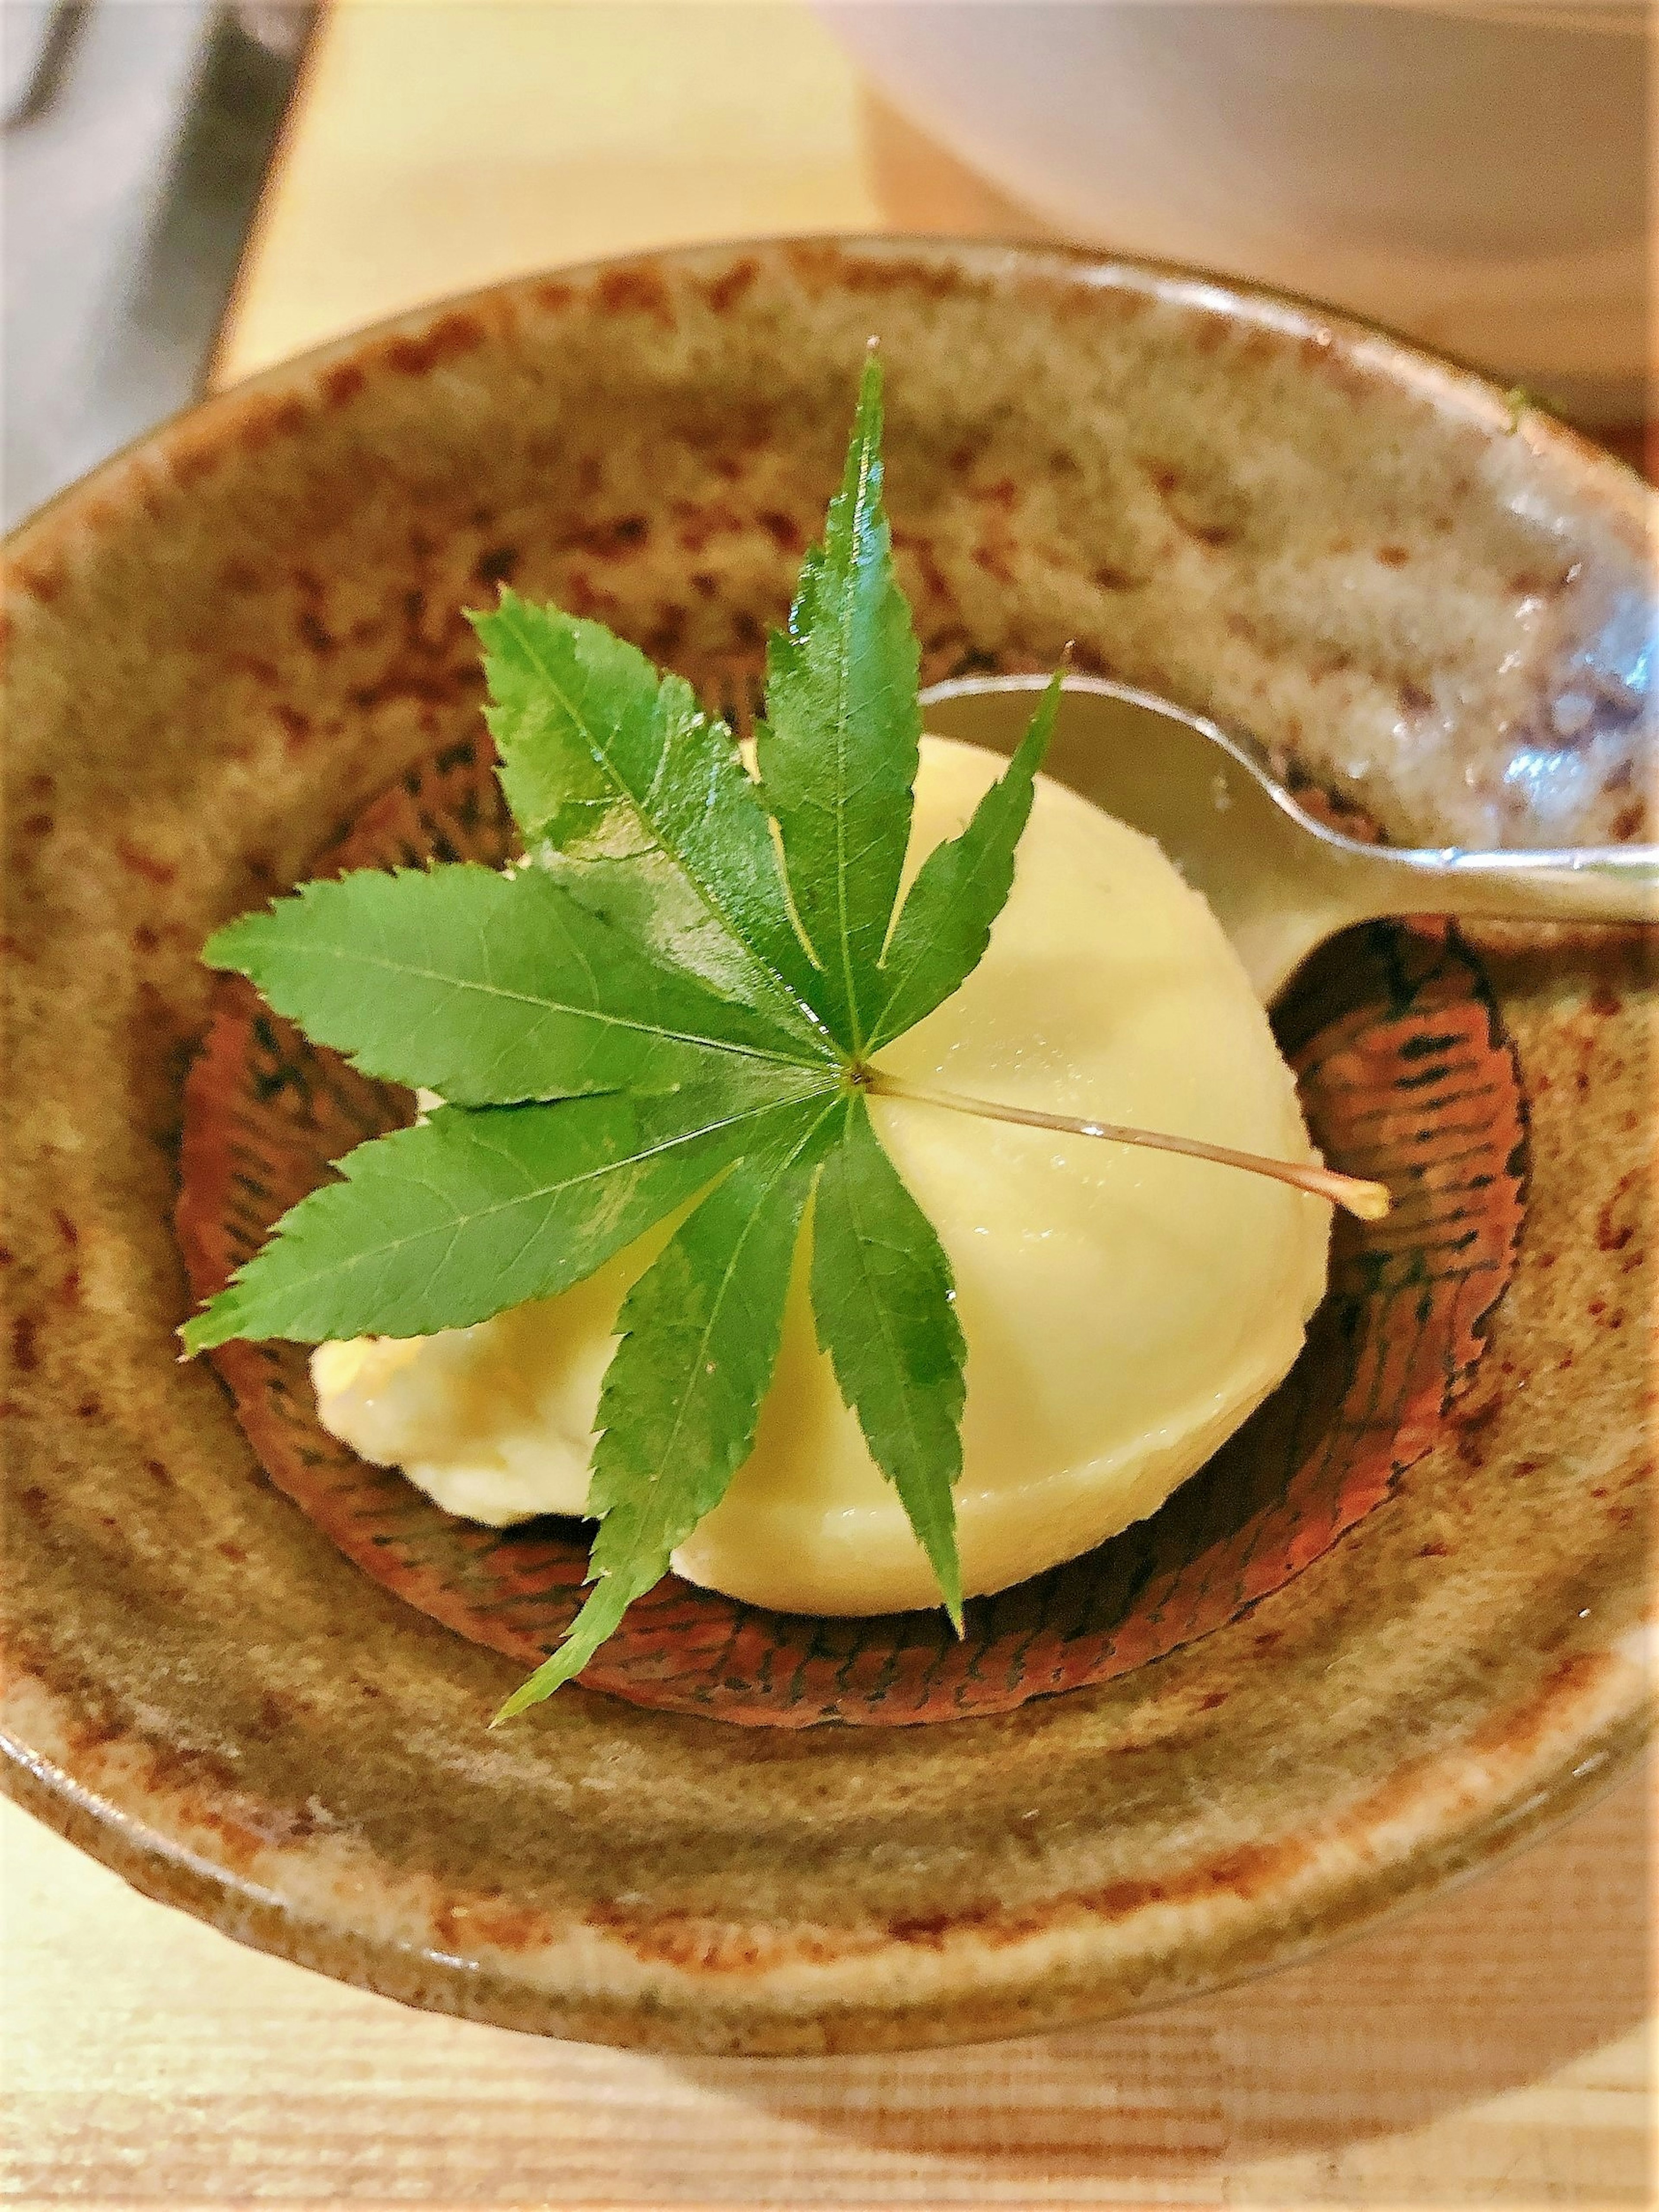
(1494,2048)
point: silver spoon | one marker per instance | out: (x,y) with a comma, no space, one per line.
(1279,882)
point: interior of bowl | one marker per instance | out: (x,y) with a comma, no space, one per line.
(223,645)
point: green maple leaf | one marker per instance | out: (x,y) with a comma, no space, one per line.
(489,988)
(883,1298)
(443,1226)
(676,999)
(639,803)
(682,1397)
(839,748)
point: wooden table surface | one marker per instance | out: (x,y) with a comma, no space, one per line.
(1496,2047)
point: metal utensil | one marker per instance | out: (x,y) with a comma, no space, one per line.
(1279,882)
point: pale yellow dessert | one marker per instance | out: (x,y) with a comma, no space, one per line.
(1124,1309)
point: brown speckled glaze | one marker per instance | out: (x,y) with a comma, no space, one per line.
(221,645)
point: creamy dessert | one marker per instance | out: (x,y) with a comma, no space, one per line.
(1124,1309)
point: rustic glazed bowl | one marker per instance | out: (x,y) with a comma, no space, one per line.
(223,645)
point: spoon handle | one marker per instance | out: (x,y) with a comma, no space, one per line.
(1587,883)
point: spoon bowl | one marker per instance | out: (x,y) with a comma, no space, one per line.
(1279,882)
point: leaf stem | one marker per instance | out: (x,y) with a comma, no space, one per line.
(1370,1201)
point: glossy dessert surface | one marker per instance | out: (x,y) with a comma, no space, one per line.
(1124,1309)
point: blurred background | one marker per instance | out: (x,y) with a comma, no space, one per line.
(196,189)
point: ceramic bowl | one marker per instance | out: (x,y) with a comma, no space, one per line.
(1472,172)
(224,644)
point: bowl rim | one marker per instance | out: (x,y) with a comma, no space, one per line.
(429,1980)
(1588,1741)
(1434,372)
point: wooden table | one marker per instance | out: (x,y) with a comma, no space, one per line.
(1494,2048)
(1490,2049)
